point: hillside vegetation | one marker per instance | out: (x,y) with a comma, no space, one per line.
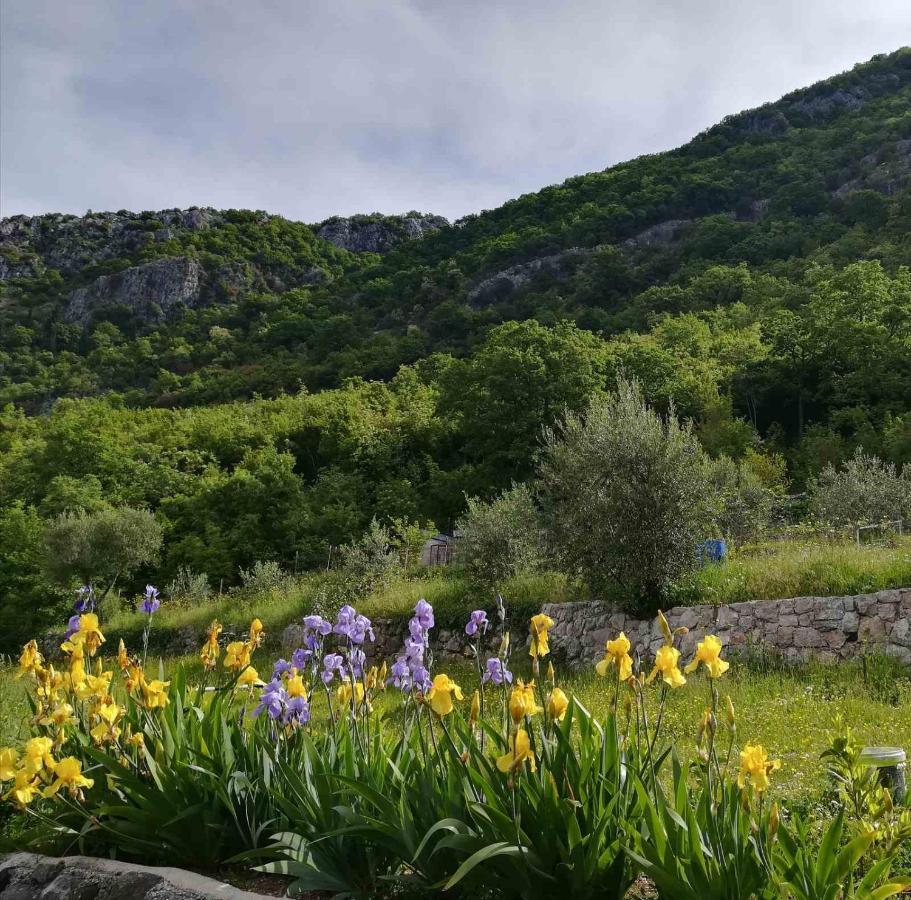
(268,393)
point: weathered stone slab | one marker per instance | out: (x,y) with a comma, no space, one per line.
(26,876)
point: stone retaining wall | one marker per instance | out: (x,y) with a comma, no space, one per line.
(828,628)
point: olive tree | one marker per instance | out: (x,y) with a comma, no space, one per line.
(864,490)
(627,496)
(102,546)
(500,538)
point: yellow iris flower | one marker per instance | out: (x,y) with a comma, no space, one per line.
(8,759)
(69,776)
(345,692)
(155,693)
(708,652)
(257,635)
(756,766)
(237,655)
(441,693)
(123,658)
(30,660)
(666,663)
(60,716)
(540,626)
(522,701)
(248,677)
(90,633)
(519,753)
(557,704)
(38,755)
(107,731)
(211,650)
(94,686)
(616,654)
(24,790)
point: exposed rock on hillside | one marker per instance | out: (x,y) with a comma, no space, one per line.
(825,106)
(561,266)
(662,233)
(888,173)
(152,291)
(68,243)
(503,283)
(377,234)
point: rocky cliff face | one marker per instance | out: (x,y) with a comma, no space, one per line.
(377,234)
(152,264)
(69,243)
(153,291)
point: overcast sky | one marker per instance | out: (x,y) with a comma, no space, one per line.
(311,109)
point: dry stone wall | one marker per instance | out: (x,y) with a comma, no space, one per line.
(827,628)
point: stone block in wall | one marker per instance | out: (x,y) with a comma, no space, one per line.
(900,632)
(850,622)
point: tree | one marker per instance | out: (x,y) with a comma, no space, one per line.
(523,378)
(626,496)
(500,539)
(864,490)
(27,599)
(101,547)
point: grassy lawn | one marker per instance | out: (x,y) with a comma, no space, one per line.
(801,568)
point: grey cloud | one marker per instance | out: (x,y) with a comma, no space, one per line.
(315,108)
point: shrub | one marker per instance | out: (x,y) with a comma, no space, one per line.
(369,562)
(500,539)
(263,577)
(747,502)
(189,587)
(865,490)
(627,495)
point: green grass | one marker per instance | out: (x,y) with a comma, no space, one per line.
(800,568)
(766,571)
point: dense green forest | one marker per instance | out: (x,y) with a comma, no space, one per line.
(756,279)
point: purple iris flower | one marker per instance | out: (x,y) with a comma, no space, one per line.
(300,658)
(318,624)
(344,621)
(150,601)
(272,700)
(420,678)
(496,672)
(360,629)
(477,622)
(415,630)
(85,599)
(72,626)
(332,663)
(297,711)
(423,613)
(281,667)
(400,673)
(356,660)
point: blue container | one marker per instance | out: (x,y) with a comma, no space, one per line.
(713,550)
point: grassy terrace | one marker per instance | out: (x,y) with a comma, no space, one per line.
(765,571)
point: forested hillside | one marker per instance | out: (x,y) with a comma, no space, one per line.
(267,388)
